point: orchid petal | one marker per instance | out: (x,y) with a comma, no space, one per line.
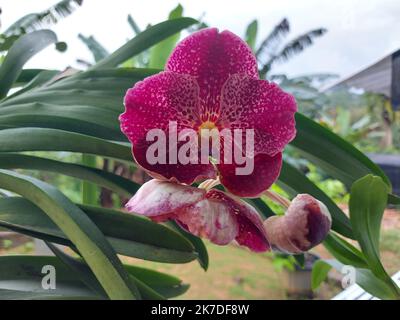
(153,104)
(249,103)
(160,199)
(251,231)
(266,171)
(211,57)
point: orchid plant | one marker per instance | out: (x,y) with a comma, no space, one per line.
(210,86)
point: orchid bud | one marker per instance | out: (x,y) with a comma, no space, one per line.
(305,224)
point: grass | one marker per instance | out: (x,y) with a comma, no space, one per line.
(390,250)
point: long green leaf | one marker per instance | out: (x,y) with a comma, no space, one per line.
(22,50)
(161,51)
(103,89)
(23,274)
(90,194)
(198,244)
(80,269)
(87,120)
(332,153)
(103,178)
(129,235)
(85,235)
(251,34)
(145,40)
(21,278)
(319,273)
(38,139)
(344,251)
(368,201)
(369,282)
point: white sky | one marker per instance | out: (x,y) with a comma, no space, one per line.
(359,31)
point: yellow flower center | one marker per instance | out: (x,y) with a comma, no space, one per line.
(208,125)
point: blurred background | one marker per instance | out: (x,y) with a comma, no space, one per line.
(340,59)
(360,32)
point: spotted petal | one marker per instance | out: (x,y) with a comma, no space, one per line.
(211,57)
(248,103)
(251,231)
(153,104)
(266,171)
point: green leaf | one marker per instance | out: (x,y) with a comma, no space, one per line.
(128,234)
(166,285)
(161,51)
(319,273)
(85,235)
(333,154)
(369,282)
(102,178)
(21,278)
(38,139)
(198,244)
(80,269)
(344,251)
(103,89)
(87,120)
(133,25)
(368,200)
(90,193)
(375,286)
(145,40)
(251,34)
(393,199)
(97,50)
(28,75)
(264,210)
(22,50)
(293,182)
(40,79)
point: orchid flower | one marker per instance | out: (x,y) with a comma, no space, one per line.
(211,82)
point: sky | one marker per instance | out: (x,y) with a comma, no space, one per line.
(360,32)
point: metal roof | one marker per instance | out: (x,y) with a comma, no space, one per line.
(375,78)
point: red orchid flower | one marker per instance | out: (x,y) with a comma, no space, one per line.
(222,218)
(211,81)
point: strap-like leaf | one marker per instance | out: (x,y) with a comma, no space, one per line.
(145,40)
(38,139)
(22,50)
(82,232)
(333,154)
(128,234)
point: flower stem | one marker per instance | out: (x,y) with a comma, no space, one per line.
(209,184)
(277,198)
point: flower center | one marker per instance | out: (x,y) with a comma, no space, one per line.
(208,125)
